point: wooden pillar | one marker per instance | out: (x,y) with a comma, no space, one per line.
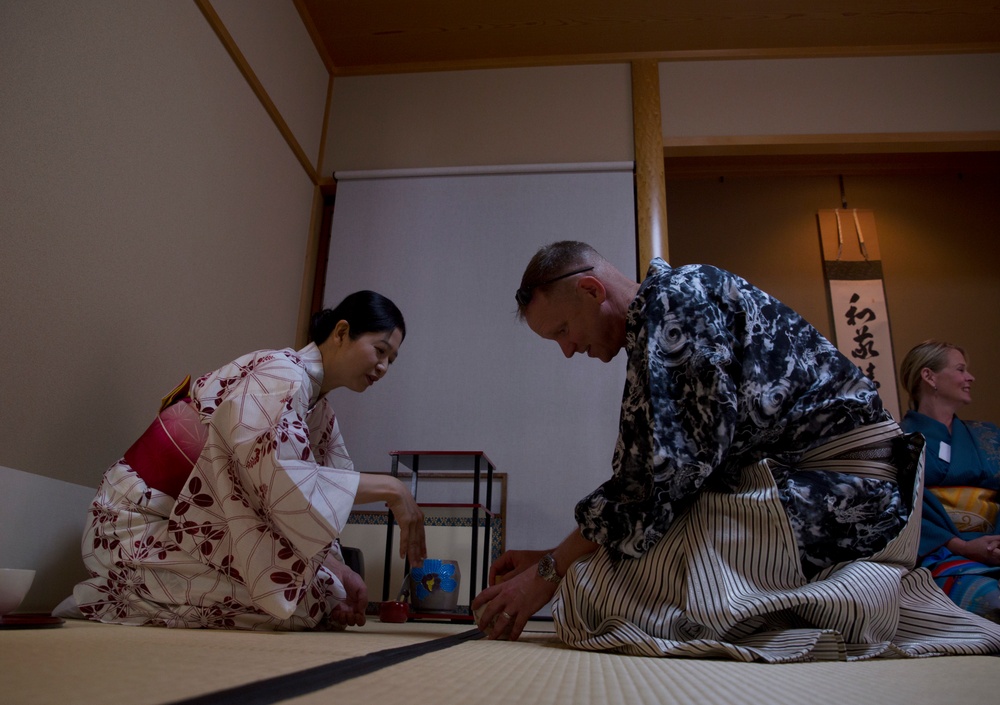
(650,183)
(314,255)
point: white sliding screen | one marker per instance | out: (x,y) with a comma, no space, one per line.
(449,248)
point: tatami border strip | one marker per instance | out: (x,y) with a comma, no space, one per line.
(292,685)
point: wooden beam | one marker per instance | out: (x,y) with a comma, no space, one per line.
(650,184)
(853,143)
(867,164)
(215,22)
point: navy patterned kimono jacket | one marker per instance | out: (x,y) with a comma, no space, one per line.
(721,375)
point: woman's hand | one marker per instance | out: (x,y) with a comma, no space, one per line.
(350,612)
(985,549)
(412,542)
(388,489)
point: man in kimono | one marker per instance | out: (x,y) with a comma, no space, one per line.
(760,501)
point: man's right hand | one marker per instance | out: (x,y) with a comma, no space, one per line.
(513,562)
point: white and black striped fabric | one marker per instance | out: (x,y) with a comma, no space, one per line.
(726,581)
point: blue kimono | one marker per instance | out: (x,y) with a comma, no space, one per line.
(961,499)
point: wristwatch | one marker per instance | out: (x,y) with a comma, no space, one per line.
(547,569)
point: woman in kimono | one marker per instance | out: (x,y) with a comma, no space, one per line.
(226,512)
(958,538)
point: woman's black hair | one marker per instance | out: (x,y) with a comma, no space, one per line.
(364,311)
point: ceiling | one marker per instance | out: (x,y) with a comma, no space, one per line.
(359,37)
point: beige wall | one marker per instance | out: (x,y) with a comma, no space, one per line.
(889,94)
(154,219)
(583,113)
(546,115)
(270,34)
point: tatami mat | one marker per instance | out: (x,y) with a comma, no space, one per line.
(544,673)
(84,662)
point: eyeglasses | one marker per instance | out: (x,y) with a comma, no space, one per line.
(523,295)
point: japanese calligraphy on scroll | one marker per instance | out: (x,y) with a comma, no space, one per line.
(853,270)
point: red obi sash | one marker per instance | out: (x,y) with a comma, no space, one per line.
(167,450)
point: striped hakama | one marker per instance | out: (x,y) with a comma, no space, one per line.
(726,580)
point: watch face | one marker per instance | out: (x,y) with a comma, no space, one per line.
(547,568)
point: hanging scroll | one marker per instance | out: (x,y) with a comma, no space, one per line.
(853,270)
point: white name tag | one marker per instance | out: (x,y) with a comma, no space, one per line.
(944,452)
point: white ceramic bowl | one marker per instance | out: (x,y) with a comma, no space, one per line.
(14,584)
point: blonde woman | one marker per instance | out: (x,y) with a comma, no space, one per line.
(959,542)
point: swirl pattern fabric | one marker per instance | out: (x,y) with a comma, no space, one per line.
(721,375)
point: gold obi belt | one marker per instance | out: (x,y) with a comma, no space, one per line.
(970,508)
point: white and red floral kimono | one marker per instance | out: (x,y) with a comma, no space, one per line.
(242,545)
